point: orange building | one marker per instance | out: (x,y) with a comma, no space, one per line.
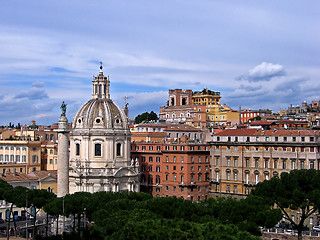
(179,169)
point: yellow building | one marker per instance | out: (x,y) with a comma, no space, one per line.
(206,97)
(218,115)
(19,156)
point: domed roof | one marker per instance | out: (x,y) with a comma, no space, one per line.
(100,112)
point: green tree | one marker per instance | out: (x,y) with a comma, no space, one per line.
(248,213)
(146,117)
(298,190)
(55,209)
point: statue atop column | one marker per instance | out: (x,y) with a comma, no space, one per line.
(63,108)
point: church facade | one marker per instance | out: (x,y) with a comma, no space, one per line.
(100,145)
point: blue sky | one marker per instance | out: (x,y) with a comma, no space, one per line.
(258,54)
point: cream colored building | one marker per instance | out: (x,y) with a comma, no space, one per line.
(100,145)
(20,156)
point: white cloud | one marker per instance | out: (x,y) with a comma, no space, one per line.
(264,72)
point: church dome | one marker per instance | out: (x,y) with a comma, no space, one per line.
(100,112)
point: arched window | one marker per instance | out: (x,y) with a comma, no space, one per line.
(118,149)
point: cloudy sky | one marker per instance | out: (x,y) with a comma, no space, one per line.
(258,54)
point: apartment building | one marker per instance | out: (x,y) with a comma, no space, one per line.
(20,156)
(240,158)
(179,169)
(159,132)
(200,109)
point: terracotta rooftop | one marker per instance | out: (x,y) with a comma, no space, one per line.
(44,174)
(259,132)
(33,176)
(17,177)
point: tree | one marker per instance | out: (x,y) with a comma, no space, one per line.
(248,213)
(297,190)
(152,116)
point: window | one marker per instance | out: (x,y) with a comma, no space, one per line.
(182,168)
(192,168)
(51,161)
(174,177)
(157,159)
(158,179)
(302,164)
(167,167)
(182,179)
(174,168)
(150,147)
(17,158)
(199,159)
(150,159)
(157,168)
(11,158)
(275,163)
(236,162)
(236,176)
(311,164)
(247,162)
(228,161)
(143,159)
(51,151)
(228,188)
(257,163)
(293,164)
(284,164)
(199,168)
(118,149)
(192,161)
(247,178)
(174,158)
(77,149)
(235,189)
(266,163)
(24,158)
(182,159)
(97,150)
(167,178)
(150,168)
(228,175)
(257,178)
(34,159)
(167,158)
(217,161)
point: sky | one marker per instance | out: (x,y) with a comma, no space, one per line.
(257,54)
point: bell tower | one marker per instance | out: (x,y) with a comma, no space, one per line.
(100,86)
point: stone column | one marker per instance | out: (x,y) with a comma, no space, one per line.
(63,157)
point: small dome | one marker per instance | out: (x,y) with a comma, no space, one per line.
(100,113)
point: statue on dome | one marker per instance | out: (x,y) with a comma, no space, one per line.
(63,108)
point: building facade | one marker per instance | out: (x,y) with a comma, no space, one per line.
(179,169)
(100,145)
(240,158)
(18,156)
